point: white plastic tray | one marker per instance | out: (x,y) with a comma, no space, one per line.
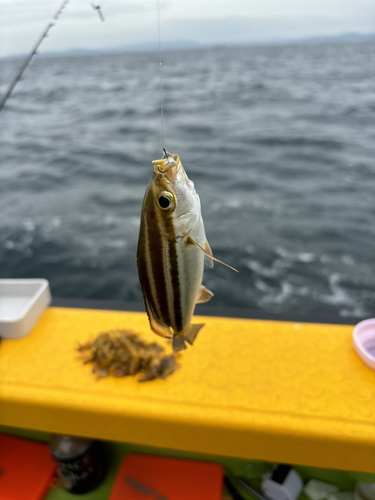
(21,304)
(364,341)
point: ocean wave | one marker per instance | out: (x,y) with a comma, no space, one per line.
(281,152)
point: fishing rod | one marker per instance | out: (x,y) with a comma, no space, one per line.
(33,52)
(99,11)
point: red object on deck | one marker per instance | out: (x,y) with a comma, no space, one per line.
(146,477)
(26,469)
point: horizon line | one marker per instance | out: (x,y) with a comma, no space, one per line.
(344,37)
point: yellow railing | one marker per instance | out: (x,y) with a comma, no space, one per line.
(278,391)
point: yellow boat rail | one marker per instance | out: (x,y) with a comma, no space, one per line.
(257,389)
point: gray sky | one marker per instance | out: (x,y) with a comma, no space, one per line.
(204,21)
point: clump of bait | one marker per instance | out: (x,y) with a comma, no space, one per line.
(122,353)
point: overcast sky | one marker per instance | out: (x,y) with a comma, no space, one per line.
(131,22)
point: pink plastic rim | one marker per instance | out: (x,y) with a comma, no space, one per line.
(364,341)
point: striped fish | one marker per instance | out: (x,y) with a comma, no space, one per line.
(172,248)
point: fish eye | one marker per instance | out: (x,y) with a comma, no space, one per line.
(165,200)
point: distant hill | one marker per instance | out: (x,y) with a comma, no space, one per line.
(344,38)
(190,44)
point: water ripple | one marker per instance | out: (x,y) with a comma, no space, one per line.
(278,140)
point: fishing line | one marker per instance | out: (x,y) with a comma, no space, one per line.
(160,76)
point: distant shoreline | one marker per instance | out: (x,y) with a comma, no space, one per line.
(191,45)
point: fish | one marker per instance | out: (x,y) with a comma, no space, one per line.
(172,249)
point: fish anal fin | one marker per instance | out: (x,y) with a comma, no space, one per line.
(208,255)
(192,242)
(205,295)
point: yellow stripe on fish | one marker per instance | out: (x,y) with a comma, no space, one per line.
(172,248)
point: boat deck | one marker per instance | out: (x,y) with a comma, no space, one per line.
(271,390)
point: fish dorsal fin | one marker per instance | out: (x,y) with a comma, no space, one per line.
(192,242)
(208,258)
(159,329)
(204,295)
(156,327)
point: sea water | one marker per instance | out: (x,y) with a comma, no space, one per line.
(279,141)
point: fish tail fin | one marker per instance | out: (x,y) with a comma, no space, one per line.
(192,333)
(188,336)
(178,344)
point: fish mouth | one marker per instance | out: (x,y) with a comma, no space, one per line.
(168,166)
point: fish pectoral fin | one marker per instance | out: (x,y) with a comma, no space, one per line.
(208,256)
(205,295)
(156,327)
(192,242)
